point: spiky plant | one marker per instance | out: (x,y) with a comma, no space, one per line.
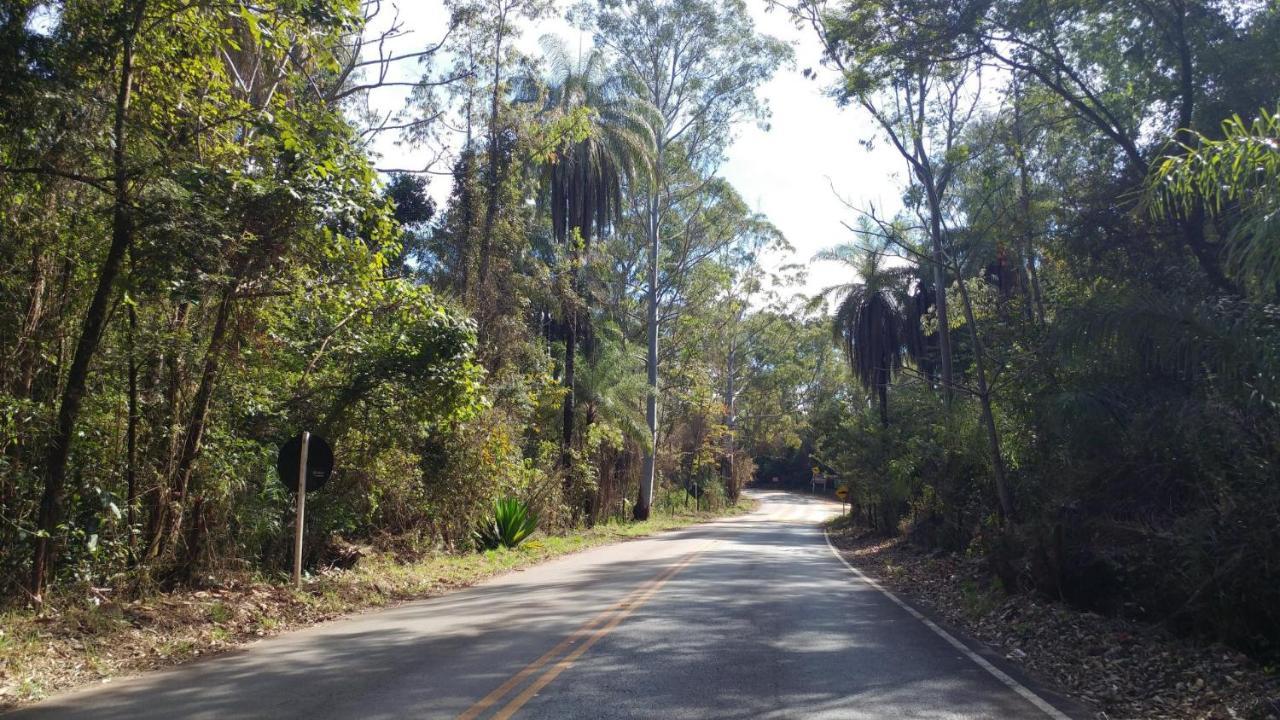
(511,523)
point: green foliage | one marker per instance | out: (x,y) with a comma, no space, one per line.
(1106,228)
(1237,176)
(512,522)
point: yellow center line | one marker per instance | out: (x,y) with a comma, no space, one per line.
(567,661)
(641,593)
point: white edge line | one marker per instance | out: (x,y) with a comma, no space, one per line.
(1027,694)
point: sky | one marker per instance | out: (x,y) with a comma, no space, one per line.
(804,173)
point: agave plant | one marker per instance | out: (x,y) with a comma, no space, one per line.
(511,523)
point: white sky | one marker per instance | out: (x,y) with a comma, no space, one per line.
(787,173)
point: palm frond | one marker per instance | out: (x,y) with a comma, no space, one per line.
(1238,175)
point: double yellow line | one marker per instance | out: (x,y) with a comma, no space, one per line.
(589,634)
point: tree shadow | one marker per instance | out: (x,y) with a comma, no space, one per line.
(765,622)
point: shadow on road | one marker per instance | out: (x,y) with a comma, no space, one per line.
(765,623)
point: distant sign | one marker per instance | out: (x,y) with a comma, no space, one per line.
(695,490)
(319,463)
(842,492)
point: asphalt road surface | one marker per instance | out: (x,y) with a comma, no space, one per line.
(751,617)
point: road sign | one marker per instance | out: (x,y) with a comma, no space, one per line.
(319,463)
(842,492)
(304,463)
(695,490)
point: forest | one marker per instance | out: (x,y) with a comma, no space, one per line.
(1058,353)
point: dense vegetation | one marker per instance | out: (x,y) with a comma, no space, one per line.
(1059,353)
(201,260)
(1069,333)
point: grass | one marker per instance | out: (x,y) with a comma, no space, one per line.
(79,639)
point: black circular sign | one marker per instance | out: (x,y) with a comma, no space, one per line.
(692,488)
(319,463)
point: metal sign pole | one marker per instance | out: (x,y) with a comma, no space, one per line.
(302,508)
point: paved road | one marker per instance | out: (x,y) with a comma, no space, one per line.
(752,617)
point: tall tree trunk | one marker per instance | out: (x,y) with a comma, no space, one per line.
(594,500)
(1004,494)
(465,198)
(199,416)
(131,434)
(491,209)
(940,293)
(1206,253)
(95,319)
(731,422)
(1035,301)
(570,357)
(26,362)
(643,505)
(165,444)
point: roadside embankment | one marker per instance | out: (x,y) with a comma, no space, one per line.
(1123,669)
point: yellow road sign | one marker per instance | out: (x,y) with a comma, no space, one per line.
(842,492)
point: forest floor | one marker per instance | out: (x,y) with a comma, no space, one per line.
(90,637)
(1122,669)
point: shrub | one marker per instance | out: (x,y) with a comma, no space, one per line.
(511,523)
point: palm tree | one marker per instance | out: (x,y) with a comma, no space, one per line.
(1236,176)
(870,322)
(612,391)
(583,180)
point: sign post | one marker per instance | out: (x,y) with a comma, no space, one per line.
(695,489)
(304,465)
(842,492)
(302,509)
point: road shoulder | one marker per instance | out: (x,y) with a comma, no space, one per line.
(89,637)
(1084,664)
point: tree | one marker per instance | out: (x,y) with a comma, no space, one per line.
(698,63)
(1239,175)
(922,103)
(499,16)
(584,178)
(868,323)
(138,163)
(924,97)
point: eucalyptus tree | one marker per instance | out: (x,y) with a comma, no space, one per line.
(924,92)
(498,19)
(922,104)
(698,63)
(743,318)
(584,180)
